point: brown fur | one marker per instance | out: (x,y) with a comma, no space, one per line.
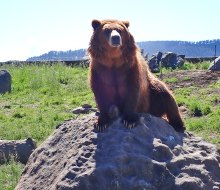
(119,76)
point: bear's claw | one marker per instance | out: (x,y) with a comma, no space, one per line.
(129,125)
(100,128)
(130,120)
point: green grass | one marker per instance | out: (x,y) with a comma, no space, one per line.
(170,80)
(188,66)
(43,96)
(9,175)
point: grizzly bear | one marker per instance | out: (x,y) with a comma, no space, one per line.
(121,80)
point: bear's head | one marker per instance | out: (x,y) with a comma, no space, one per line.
(111,39)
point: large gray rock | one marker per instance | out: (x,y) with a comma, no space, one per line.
(154,62)
(5,81)
(171,60)
(215,65)
(151,156)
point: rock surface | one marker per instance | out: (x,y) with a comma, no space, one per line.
(167,60)
(215,65)
(151,156)
(171,60)
(19,150)
(154,62)
(84,109)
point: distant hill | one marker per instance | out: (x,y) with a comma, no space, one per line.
(60,56)
(189,49)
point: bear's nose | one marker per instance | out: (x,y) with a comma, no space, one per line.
(115,38)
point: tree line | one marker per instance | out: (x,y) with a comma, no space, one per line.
(189,49)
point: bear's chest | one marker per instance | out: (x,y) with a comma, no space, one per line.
(115,82)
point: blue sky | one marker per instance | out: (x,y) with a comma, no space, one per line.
(33,27)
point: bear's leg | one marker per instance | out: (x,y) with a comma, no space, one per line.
(173,115)
(130,116)
(162,103)
(105,119)
(103,100)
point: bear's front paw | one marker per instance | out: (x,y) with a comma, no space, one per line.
(130,120)
(100,127)
(101,124)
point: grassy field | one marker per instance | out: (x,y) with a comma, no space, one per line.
(43,96)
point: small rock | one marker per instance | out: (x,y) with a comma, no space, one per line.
(5,81)
(84,109)
(86,106)
(215,65)
(19,150)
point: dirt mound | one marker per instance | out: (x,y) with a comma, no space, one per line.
(200,78)
(152,156)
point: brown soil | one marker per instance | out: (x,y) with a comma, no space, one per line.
(198,78)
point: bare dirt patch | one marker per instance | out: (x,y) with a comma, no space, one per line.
(198,78)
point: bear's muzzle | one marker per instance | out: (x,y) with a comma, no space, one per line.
(115,39)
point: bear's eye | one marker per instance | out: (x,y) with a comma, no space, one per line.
(107,31)
(118,30)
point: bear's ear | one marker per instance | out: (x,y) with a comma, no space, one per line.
(96,24)
(126,23)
